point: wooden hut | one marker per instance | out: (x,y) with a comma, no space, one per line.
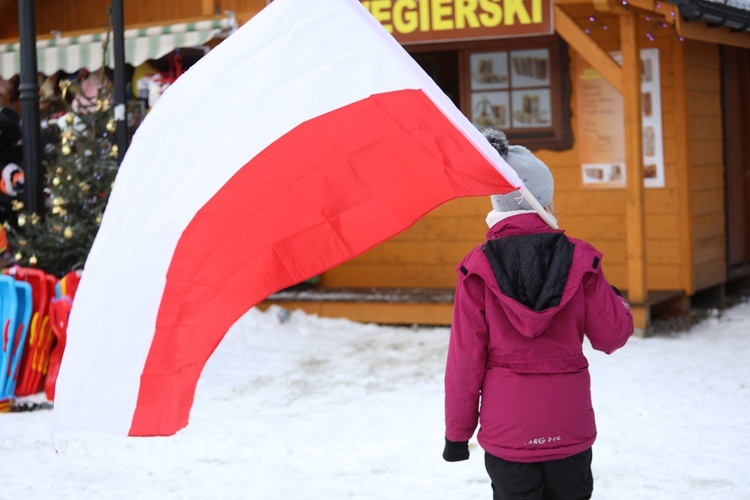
(637,106)
(644,135)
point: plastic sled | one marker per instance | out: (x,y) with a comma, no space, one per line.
(23,294)
(60,306)
(39,340)
(8,318)
(68,284)
(59,314)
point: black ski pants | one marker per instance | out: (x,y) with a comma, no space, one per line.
(566,479)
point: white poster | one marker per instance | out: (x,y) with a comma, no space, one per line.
(603,154)
(653,142)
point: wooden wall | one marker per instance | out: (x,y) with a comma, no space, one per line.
(685,240)
(92,14)
(426,254)
(598,216)
(706,162)
(423,256)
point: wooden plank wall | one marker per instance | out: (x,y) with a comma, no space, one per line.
(706,162)
(92,14)
(598,216)
(423,256)
(426,254)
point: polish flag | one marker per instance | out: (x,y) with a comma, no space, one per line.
(304,139)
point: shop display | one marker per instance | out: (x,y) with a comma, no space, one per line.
(532,111)
(533,67)
(512,108)
(490,109)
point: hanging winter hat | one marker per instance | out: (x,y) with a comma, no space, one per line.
(11,180)
(536,176)
(10,128)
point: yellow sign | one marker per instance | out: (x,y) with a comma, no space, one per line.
(420,21)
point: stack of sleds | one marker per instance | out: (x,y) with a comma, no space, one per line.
(34,310)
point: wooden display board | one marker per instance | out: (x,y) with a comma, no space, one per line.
(600,125)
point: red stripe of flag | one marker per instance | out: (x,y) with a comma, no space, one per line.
(328,190)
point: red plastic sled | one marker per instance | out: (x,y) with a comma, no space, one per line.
(39,340)
(59,310)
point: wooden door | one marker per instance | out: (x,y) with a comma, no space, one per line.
(735,63)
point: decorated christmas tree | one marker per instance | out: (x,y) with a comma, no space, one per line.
(80,168)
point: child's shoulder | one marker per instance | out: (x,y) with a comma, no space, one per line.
(586,256)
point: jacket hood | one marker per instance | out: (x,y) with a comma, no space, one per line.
(530,270)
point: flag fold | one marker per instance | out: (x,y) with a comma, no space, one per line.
(304,139)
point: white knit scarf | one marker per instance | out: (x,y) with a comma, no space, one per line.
(494,216)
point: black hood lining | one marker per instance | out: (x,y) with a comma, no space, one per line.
(531,268)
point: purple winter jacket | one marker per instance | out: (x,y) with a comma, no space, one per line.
(525,362)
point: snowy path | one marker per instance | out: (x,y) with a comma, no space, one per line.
(320,409)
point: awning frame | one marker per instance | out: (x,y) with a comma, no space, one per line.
(84,50)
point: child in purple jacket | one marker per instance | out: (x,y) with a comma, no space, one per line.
(524,300)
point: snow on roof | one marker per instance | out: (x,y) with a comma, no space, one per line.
(737,4)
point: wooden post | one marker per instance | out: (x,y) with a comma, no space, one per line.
(595,55)
(684,183)
(208,8)
(30,121)
(635,231)
(121,112)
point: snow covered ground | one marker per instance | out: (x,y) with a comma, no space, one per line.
(314,408)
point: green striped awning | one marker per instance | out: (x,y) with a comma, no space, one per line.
(73,53)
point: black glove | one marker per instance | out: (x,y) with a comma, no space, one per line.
(456,451)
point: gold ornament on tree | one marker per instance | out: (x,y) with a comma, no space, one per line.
(68,232)
(21,220)
(33,260)
(111,125)
(66,150)
(64,85)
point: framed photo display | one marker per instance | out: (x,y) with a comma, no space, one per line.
(521,87)
(601,125)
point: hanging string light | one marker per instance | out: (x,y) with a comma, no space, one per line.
(648,18)
(596,22)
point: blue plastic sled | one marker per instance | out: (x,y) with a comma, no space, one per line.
(15,314)
(8,317)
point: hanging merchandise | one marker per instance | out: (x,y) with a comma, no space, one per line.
(142,74)
(34,359)
(151,86)
(90,89)
(11,173)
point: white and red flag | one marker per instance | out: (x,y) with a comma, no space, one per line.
(304,139)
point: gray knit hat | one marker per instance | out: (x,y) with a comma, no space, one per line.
(536,176)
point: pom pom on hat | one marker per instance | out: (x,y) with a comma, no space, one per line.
(498,140)
(536,176)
